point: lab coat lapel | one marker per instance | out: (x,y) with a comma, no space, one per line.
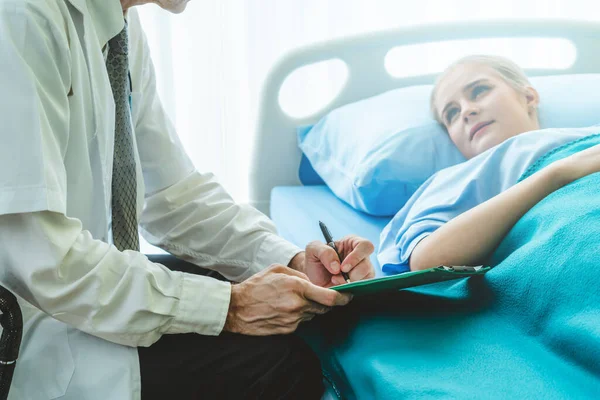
(78,4)
(97,21)
(107,16)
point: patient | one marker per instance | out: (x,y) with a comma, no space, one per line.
(461,214)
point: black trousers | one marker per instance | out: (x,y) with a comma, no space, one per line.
(228,366)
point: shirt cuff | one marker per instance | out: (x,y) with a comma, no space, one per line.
(32,199)
(276,250)
(202,307)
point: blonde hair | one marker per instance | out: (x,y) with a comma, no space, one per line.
(508,70)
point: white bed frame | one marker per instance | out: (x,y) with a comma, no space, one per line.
(276,156)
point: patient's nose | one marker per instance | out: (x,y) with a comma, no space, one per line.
(470,111)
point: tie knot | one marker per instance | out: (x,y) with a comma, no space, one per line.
(120,43)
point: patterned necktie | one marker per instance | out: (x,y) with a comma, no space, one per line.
(124,188)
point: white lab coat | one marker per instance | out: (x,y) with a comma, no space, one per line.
(88,305)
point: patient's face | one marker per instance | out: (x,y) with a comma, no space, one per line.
(481,110)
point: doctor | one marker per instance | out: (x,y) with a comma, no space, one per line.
(88,157)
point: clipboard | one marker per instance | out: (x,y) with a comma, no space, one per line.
(409,279)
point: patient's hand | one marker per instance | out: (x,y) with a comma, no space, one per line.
(322,265)
(276,300)
(578,165)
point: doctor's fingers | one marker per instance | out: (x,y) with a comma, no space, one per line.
(364,270)
(313,308)
(291,322)
(325,254)
(356,249)
(325,297)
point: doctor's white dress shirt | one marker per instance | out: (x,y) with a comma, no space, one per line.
(86,305)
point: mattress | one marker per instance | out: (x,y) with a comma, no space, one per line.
(297,210)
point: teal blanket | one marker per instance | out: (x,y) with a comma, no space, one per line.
(528,329)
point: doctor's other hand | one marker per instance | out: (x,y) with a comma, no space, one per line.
(323,267)
(275,301)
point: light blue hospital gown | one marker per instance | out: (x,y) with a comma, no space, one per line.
(454,190)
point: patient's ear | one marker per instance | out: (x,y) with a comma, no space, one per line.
(532,97)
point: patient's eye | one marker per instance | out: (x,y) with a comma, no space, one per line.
(450,114)
(477,90)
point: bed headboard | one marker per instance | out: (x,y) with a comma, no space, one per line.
(276,156)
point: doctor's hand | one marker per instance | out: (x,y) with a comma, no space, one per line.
(322,265)
(275,301)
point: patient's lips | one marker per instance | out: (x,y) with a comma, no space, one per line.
(479,128)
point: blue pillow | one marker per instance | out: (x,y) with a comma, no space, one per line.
(376,152)
(307,174)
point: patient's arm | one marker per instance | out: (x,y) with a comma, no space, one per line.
(470,238)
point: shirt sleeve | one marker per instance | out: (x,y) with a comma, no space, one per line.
(196,220)
(441,198)
(119,296)
(35,75)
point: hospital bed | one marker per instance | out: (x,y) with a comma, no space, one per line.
(284,185)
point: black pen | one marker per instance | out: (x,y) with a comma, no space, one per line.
(331,244)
